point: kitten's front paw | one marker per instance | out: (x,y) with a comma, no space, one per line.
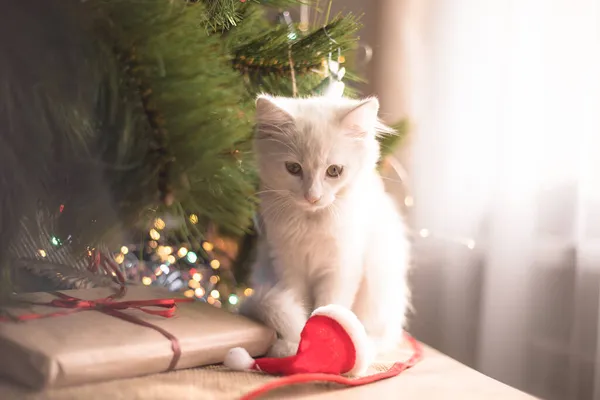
(283,348)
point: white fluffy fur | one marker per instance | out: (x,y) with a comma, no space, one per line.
(349,248)
(238,359)
(362,345)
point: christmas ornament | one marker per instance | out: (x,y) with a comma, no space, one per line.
(333,343)
(332,85)
(286,19)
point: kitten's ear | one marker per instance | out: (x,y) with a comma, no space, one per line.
(361,120)
(268,112)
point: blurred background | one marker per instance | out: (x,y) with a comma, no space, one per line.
(503,99)
(498,106)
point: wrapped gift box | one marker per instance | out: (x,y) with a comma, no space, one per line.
(91,346)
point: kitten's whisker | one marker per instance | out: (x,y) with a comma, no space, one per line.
(293,150)
(273,209)
(272,191)
(278,130)
(273,129)
(277,212)
(333,211)
(392,179)
(272,205)
(276,126)
(286,154)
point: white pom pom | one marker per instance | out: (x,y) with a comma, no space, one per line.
(238,359)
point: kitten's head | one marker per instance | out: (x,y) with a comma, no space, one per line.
(311,150)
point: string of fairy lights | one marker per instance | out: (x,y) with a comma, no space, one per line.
(195,272)
(179,267)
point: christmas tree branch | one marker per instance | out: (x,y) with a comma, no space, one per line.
(193,100)
(268,53)
(159,146)
(223,15)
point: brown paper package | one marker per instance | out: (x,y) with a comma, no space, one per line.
(91,346)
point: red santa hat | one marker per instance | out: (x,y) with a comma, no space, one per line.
(333,343)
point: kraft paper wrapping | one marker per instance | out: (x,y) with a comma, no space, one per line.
(90,346)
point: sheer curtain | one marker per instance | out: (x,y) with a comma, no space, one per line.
(504,97)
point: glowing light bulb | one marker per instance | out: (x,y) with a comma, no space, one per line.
(171,259)
(199,292)
(215,264)
(153,244)
(193,284)
(188,293)
(192,257)
(233,299)
(215,293)
(210,300)
(248,292)
(409,201)
(154,234)
(147,280)
(197,277)
(208,246)
(424,233)
(194,219)
(214,279)
(124,250)
(42,252)
(55,241)
(182,252)
(119,258)
(165,268)
(159,223)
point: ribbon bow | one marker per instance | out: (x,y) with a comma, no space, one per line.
(108,305)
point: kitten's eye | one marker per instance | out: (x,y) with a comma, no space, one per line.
(293,168)
(334,171)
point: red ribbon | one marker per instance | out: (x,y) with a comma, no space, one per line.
(395,370)
(100,261)
(108,305)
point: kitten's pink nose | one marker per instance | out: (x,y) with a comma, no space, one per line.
(312,199)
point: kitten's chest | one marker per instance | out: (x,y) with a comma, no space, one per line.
(303,237)
(305,245)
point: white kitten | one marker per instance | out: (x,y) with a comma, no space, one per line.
(330,233)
